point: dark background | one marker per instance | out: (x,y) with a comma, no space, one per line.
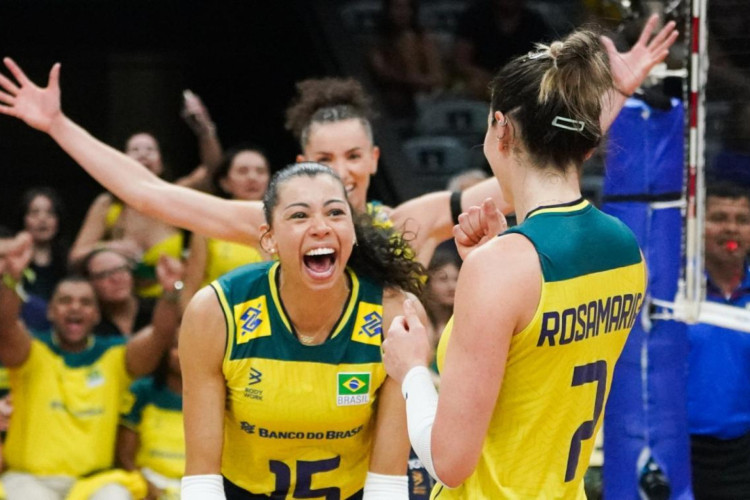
(124,66)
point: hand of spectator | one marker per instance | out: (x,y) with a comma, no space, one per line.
(629,69)
(196,115)
(6,409)
(22,99)
(169,271)
(407,344)
(477,226)
(15,255)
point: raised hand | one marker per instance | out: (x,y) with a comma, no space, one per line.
(196,115)
(169,271)
(478,225)
(630,68)
(38,107)
(406,345)
(15,255)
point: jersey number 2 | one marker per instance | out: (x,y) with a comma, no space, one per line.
(585,374)
(305,471)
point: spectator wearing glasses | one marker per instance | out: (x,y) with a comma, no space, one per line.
(123,312)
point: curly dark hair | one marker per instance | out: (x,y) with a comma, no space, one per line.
(327,100)
(381,254)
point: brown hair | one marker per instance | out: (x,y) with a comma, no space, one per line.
(555,96)
(327,100)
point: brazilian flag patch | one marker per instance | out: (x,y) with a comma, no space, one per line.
(352,388)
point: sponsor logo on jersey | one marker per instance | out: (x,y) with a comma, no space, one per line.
(252,320)
(254,377)
(329,435)
(368,328)
(352,388)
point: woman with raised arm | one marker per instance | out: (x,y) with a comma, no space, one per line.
(542,312)
(430,217)
(307,323)
(242,174)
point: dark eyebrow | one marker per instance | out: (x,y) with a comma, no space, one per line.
(297,204)
(334,200)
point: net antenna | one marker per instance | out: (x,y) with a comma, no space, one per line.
(690,304)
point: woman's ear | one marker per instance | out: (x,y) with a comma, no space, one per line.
(300,159)
(375,158)
(267,243)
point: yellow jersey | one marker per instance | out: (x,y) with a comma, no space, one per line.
(224,256)
(66,407)
(299,418)
(155,414)
(559,368)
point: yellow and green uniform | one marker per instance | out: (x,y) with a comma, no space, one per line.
(155,414)
(299,417)
(559,368)
(66,407)
(224,256)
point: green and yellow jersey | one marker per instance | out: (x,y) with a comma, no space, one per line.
(559,368)
(155,414)
(299,417)
(66,407)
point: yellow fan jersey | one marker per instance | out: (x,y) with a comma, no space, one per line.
(155,413)
(559,368)
(224,256)
(299,418)
(66,407)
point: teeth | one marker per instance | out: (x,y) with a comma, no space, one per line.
(320,251)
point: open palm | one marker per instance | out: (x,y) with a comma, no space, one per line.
(36,106)
(629,69)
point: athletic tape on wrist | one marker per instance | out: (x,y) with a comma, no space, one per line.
(421,408)
(386,487)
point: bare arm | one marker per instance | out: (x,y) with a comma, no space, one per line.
(145,349)
(204,387)
(390,450)
(15,341)
(428,219)
(124,176)
(195,268)
(196,115)
(127,447)
(478,349)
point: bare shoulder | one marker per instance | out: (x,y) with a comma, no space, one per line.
(203,321)
(504,271)
(509,256)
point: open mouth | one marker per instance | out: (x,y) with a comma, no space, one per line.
(320,261)
(73,324)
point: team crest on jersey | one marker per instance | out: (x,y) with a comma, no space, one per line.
(368,329)
(94,378)
(251,320)
(352,388)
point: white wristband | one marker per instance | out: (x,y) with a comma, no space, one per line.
(421,408)
(203,487)
(385,487)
